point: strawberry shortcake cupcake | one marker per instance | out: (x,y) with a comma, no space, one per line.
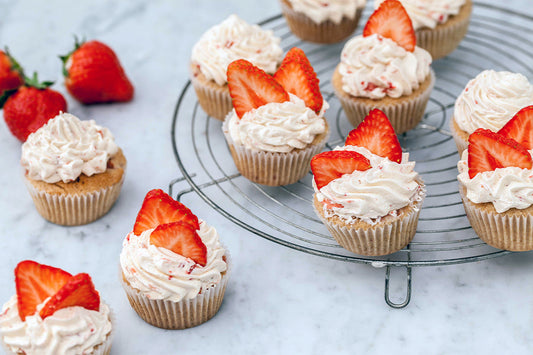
(489,101)
(173,268)
(54,313)
(367,192)
(222,44)
(385,69)
(322,21)
(496,183)
(277,123)
(439,24)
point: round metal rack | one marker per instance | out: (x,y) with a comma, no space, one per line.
(497,39)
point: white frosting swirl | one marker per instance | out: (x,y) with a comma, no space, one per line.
(428,13)
(65,147)
(277,127)
(505,188)
(491,99)
(160,273)
(374,193)
(376,67)
(69,331)
(235,39)
(323,10)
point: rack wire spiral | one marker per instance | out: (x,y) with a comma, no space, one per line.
(498,39)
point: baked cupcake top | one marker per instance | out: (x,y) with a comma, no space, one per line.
(53,312)
(491,99)
(368,178)
(231,40)
(498,167)
(323,10)
(384,61)
(66,147)
(175,259)
(275,114)
(429,13)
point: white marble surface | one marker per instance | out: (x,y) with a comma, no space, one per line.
(279,300)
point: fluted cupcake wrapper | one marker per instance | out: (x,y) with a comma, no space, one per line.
(508,231)
(272,168)
(214,99)
(74,209)
(182,314)
(324,32)
(403,115)
(379,240)
(443,40)
(458,136)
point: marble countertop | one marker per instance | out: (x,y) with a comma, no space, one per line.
(278,300)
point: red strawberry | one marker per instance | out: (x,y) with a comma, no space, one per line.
(11,75)
(376,134)
(159,208)
(31,106)
(78,291)
(520,127)
(328,166)
(181,239)
(35,283)
(298,77)
(392,21)
(250,87)
(93,74)
(488,151)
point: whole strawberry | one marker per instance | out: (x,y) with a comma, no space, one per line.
(93,74)
(31,106)
(11,75)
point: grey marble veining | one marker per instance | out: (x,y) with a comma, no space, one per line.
(279,301)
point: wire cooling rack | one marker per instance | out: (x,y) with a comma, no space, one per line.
(498,39)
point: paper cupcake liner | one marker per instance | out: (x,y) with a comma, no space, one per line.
(324,32)
(103,348)
(443,39)
(73,210)
(404,115)
(507,230)
(380,239)
(214,99)
(271,168)
(459,136)
(182,314)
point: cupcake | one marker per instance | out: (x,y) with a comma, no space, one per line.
(222,44)
(73,170)
(489,101)
(439,24)
(385,69)
(173,268)
(496,183)
(322,21)
(367,192)
(277,124)
(54,313)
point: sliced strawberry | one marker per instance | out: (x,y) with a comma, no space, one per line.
(250,87)
(376,134)
(488,151)
(181,239)
(78,291)
(328,166)
(298,77)
(520,127)
(35,283)
(392,21)
(159,208)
